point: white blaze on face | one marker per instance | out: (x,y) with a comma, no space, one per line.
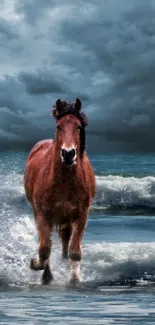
(69,148)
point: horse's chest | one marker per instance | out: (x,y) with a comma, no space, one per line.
(66,198)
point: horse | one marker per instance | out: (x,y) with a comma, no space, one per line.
(60,184)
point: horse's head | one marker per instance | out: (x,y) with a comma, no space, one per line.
(70,135)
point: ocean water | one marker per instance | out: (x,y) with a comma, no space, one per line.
(118,267)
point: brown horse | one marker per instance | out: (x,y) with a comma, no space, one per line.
(60,184)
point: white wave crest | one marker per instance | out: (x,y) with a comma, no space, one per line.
(112,261)
(121,191)
(101,261)
(112,191)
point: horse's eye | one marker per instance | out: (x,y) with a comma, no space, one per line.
(58,127)
(79,127)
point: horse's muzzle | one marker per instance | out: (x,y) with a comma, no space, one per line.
(68,157)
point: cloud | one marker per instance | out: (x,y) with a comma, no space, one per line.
(41,82)
(102,52)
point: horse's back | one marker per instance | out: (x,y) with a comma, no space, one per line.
(90,176)
(40,147)
(36,159)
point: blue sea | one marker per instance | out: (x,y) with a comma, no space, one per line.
(118,268)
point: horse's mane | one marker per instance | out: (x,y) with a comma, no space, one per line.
(62,108)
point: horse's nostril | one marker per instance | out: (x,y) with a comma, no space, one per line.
(72,153)
(68,154)
(63,152)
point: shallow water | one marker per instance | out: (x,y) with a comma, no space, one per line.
(118,268)
(48,307)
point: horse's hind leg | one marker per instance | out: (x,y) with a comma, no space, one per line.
(64,234)
(44,250)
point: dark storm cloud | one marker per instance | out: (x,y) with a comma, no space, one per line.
(100,51)
(23,118)
(41,82)
(32,10)
(6,33)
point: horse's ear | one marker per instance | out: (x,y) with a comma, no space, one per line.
(58,105)
(78,104)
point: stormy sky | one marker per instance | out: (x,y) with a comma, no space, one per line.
(102,51)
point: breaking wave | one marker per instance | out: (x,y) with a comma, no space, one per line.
(114,194)
(127,193)
(103,263)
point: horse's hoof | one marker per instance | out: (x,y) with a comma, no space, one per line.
(65,256)
(35,266)
(47,276)
(74,283)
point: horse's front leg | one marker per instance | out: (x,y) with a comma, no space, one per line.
(44,249)
(75,250)
(64,234)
